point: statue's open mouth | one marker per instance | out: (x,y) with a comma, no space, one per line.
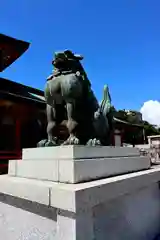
(62,60)
(60,63)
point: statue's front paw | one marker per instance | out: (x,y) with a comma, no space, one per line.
(50,143)
(94,142)
(47,143)
(42,143)
(72,140)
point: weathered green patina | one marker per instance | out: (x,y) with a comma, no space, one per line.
(70,99)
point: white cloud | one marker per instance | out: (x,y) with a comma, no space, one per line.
(151,112)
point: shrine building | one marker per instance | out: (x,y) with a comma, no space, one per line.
(22,108)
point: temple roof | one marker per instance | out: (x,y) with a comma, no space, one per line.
(13,91)
(10,50)
(117,120)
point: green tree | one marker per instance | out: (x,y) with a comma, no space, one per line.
(150,129)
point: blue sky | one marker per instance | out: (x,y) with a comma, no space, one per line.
(120,40)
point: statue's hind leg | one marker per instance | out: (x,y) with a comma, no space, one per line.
(51,119)
(71,125)
(51,125)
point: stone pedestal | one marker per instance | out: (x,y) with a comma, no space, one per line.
(75,164)
(34,204)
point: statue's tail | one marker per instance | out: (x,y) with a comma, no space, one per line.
(105,104)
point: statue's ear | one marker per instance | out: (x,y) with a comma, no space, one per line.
(79,57)
(70,54)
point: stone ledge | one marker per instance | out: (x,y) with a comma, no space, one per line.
(31,169)
(77,152)
(97,192)
(23,188)
(76,171)
(77,197)
(75,164)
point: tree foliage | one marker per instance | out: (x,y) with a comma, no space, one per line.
(150,129)
(133,119)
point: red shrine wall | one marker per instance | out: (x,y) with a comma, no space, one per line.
(21,126)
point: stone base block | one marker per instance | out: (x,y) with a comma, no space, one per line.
(121,207)
(74,164)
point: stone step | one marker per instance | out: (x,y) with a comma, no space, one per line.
(78,152)
(76,170)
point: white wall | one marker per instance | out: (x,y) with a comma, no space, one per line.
(134,216)
(117,140)
(19,224)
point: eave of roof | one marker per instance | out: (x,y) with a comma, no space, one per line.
(13,90)
(20,98)
(127,123)
(10,50)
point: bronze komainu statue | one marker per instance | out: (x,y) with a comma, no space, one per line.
(73,107)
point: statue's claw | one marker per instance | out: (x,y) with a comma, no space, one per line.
(42,143)
(72,140)
(47,143)
(50,143)
(94,142)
